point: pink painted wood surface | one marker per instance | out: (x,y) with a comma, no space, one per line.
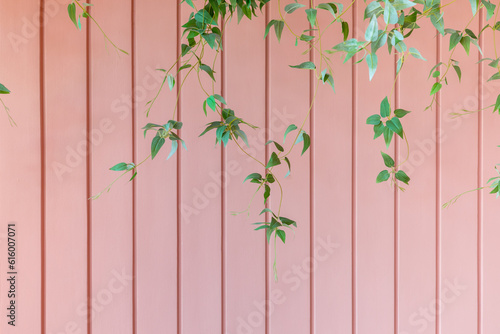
(166,256)
(112,215)
(66,174)
(156,217)
(21,199)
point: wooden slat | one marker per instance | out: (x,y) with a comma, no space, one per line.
(332,188)
(459,161)
(200,224)
(156,223)
(288,94)
(66,174)
(20,151)
(490,237)
(245,93)
(111,88)
(417,205)
(374,202)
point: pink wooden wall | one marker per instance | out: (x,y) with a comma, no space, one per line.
(163,254)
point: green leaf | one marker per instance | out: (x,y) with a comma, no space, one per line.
(371,32)
(400,113)
(208,69)
(267,192)
(459,72)
(211,102)
(373,119)
(402,4)
(265,210)
(454,39)
(470,33)
(497,104)
(220,98)
(4,90)
(185,49)
(278,146)
(437,22)
(281,234)
(307,142)
(330,6)
(388,133)
(156,145)
(290,8)
(435,88)
(385,108)
(372,61)
(290,128)
(273,161)
(401,176)
(288,221)
(373,9)
(388,161)
(490,8)
(133,177)
(495,76)
(305,65)
(270,178)
(395,125)
(327,78)
(311,16)
(253,176)
(383,176)
(289,166)
(474,4)
(173,149)
(415,53)
(390,13)
(278,29)
(119,167)
(72,14)
(378,130)
(345,30)
(171,82)
(465,41)
(306,38)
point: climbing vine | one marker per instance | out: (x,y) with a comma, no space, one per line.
(390,24)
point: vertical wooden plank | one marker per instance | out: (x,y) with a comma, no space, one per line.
(459,222)
(20,198)
(200,248)
(417,205)
(66,173)
(112,282)
(333,125)
(156,214)
(490,209)
(288,94)
(374,202)
(244,89)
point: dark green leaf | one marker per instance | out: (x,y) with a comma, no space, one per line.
(345,30)
(290,128)
(305,65)
(253,176)
(311,16)
(459,72)
(208,69)
(273,160)
(385,108)
(401,176)
(378,130)
(395,125)
(278,146)
(307,142)
(267,192)
(3,89)
(156,145)
(435,88)
(373,119)
(290,8)
(400,113)
(289,166)
(388,133)
(119,167)
(281,234)
(388,161)
(383,176)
